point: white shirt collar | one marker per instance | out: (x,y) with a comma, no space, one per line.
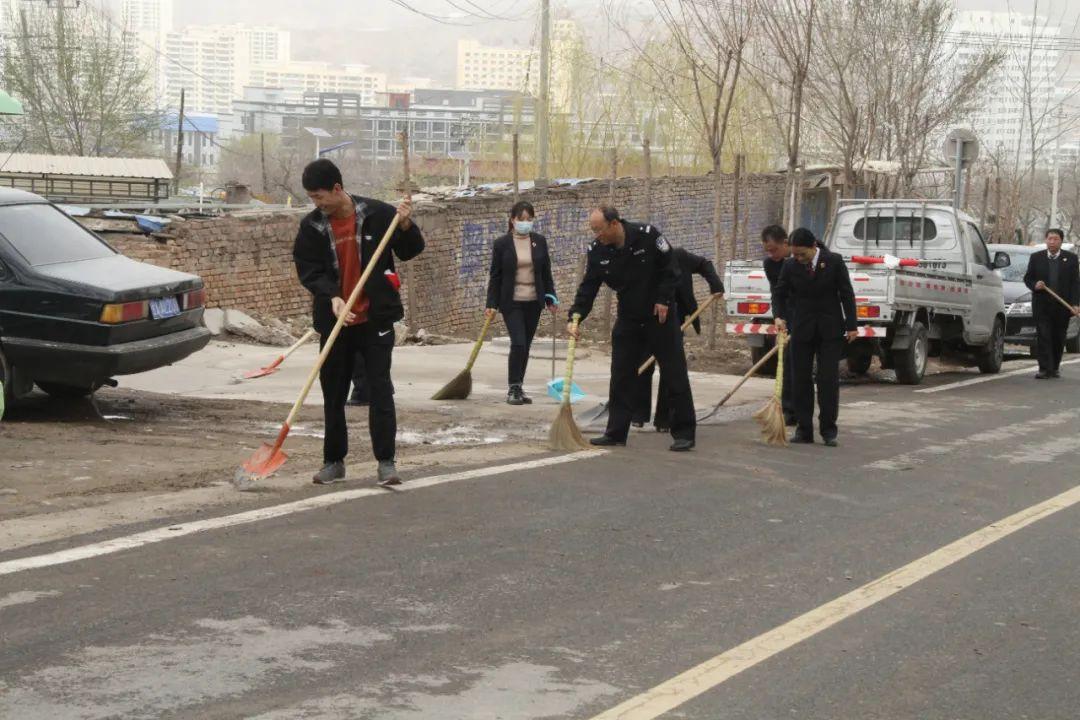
(1054,256)
(817,254)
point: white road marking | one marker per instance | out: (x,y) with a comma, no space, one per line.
(987,378)
(172,532)
(711,673)
(25,598)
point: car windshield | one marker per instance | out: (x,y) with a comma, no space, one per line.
(44,235)
(1017,268)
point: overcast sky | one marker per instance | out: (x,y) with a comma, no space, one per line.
(389,37)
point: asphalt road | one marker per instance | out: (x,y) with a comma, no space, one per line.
(564,591)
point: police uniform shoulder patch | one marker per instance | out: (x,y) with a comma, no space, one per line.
(662,244)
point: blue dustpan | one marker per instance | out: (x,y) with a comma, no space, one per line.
(555,390)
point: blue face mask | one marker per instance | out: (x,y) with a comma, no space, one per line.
(523,227)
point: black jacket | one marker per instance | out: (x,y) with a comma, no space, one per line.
(317,263)
(1067,285)
(642,274)
(821,305)
(504,260)
(689,266)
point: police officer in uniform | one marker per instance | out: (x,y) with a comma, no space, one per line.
(814,290)
(636,262)
(689,266)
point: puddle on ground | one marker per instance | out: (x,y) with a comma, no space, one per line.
(456,435)
(515,691)
(216,659)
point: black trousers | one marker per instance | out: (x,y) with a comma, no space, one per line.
(787,393)
(522,319)
(1051,327)
(359,387)
(828,353)
(376,346)
(631,341)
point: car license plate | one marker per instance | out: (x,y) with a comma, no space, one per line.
(165,307)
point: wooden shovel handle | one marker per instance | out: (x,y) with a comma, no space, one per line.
(296,346)
(686,323)
(1059,299)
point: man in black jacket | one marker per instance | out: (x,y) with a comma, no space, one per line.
(814,290)
(636,262)
(686,304)
(1057,270)
(774,241)
(335,243)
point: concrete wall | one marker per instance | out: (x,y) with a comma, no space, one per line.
(246,260)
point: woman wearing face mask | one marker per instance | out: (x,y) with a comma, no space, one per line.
(519,286)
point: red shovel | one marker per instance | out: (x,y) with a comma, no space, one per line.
(272,367)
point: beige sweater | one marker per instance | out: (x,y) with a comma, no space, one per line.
(524,280)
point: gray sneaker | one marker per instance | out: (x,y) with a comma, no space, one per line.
(388,474)
(331,473)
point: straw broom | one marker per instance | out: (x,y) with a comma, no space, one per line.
(564,434)
(460,387)
(771,416)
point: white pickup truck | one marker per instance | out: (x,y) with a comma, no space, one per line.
(924,283)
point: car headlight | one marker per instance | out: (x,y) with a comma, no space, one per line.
(1020,308)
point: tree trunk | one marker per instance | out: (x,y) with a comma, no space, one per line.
(718,241)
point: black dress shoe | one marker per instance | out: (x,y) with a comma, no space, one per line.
(830,442)
(681,445)
(800,439)
(1042,375)
(606,441)
(1055,374)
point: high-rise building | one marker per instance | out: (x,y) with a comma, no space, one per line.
(150,21)
(568,62)
(1003,123)
(213,63)
(491,67)
(296,78)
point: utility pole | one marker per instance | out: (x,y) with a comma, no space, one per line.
(542,111)
(179,145)
(262,159)
(1054,191)
(517,185)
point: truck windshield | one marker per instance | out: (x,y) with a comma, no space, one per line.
(44,235)
(907,230)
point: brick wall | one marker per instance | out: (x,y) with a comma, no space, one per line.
(246,259)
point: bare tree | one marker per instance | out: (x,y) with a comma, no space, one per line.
(788,42)
(84,87)
(697,71)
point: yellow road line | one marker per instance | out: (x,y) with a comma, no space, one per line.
(702,678)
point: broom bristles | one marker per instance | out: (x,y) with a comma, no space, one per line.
(457,389)
(565,435)
(771,419)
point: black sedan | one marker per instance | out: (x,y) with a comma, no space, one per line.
(1019,322)
(74,312)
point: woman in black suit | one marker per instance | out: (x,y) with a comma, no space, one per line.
(519,286)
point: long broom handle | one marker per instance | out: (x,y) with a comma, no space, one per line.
(1059,299)
(353,296)
(571,346)
(687,323)
(478,344)
(750,373)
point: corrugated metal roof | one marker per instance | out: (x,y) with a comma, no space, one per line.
(27,164)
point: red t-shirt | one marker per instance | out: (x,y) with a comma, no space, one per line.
(349,266)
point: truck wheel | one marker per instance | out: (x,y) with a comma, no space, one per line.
(859,357)
(993,356)
(58,390)
(910,363)
(1072,344)
(756,353)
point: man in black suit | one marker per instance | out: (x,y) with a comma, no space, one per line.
(814,290)
(774,242)
(1059,271)
(686,305)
